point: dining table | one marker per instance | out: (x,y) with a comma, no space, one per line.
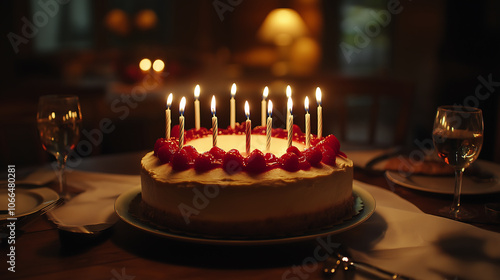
(403,234)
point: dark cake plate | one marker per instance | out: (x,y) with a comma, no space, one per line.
(364,207)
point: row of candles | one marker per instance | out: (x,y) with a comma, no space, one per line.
(248,123)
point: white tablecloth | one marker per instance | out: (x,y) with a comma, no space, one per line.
(401,238)
(398,237)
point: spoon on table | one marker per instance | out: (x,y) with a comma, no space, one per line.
(340,261)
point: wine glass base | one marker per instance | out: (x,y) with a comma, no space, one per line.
(459,214)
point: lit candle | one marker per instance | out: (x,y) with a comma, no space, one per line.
(263,107)
(320,113)
(232,104)
(290,122)
(197,107)
(248,127)
(308,123)
(182,105)
(269,125)
(215,125)
(168,117)
(288,96)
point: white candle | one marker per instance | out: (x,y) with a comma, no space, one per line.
(288,97)
(232,106)
(320,113)
(263,106)
(248,127)
(182,106)
(197,107)
(269,125)
(308,123)
(290,122)
(168,116)
(215,125)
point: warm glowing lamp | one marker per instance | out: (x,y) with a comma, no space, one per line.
(282,26)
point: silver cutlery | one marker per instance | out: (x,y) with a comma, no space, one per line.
(340,260)
(24,221)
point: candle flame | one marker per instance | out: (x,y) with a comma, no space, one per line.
(288,91)
(247,109)
(306,104)
(182,105)
(270,108)
(213,105)
(158,65)
(266,93)
(233,90)
(145,64)
(318,95)
(290,105)
(197,91)
(169,100)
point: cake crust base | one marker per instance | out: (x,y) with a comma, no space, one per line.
(270,227)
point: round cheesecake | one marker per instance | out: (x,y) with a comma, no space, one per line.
(239,203)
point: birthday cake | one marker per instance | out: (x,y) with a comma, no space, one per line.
(222,191)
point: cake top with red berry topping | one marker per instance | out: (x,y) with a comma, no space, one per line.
(199,154)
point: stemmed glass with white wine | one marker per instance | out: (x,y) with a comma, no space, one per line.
(458,138)
(59,120)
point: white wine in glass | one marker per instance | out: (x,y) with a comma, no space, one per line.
(458,138)
(59,120)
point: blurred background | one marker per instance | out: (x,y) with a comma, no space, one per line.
(383,66)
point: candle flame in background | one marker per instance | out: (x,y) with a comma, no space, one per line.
(158,65)
(265,93)
(145,64)
(306,104)
(182,105)
(247,110)
(290,105)
(197,91)
(288,91)
(270,108)
(169,100)
(318,95)
(233,90)
(212,107)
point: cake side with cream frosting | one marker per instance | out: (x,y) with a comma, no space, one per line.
(231,199)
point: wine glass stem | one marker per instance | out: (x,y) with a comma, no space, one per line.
(61,164)
(455,207)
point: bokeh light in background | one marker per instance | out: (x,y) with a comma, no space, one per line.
(94,49)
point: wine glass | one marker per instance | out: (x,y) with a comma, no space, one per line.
(458,138)
(59,120)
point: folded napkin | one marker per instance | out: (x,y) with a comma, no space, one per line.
(401,238)
(95,202)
